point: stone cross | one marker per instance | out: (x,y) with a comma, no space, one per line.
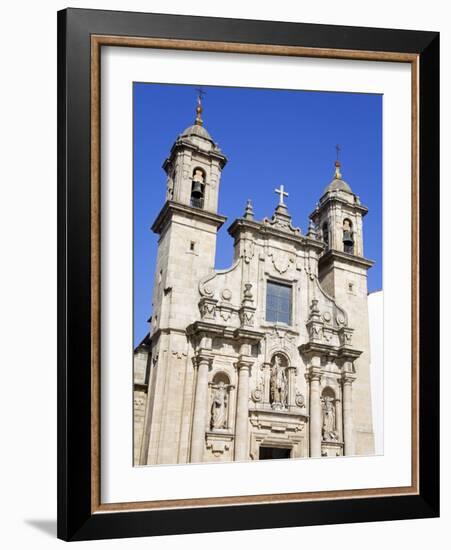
(282,193)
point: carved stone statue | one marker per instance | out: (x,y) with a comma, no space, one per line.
(278,384)
(219,407)
(329,432)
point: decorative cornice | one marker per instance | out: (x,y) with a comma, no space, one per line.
(182,143)
(316,348)
(204,327)
(214,329)
(244,363)
(248,334)
(314,373)
(241,224)
(349,354)
(172,207)
(203,355)
(348,378)
(334,255)
(334,198)
(257,414)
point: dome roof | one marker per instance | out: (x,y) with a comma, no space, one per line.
(338,183)
(196,130)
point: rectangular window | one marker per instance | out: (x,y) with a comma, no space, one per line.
(278,303)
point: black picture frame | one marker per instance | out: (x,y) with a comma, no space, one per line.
(76,519)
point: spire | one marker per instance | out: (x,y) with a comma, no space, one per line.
(199,108)
(338,183)
(249,211)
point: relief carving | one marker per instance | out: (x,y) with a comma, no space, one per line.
(248,251)
(281,261)
(247,318)
(207,308)
(226,294)
(299,400)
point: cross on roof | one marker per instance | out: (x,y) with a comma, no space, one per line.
(282,193)
(200,94)
(338,148)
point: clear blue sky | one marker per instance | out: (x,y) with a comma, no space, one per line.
(270,137)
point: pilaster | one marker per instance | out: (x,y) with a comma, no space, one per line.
(202,362)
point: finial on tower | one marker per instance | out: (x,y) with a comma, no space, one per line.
(249,211)
(311,230)
(199,108)
(338,175)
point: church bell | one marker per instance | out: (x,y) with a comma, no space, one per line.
(348,239)
(197,192)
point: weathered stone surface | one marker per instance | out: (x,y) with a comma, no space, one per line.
(302,386)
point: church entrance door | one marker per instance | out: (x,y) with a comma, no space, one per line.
(271,453)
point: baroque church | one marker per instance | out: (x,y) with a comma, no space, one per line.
(267,359)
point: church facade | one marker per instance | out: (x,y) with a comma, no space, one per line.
(269,358)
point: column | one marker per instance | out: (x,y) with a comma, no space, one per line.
(200,409)
(315,412)
(348,427)
(242,412)
(267,381)
(339,419)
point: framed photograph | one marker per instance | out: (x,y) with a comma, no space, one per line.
(248,274)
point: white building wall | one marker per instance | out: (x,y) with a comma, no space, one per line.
(376,319)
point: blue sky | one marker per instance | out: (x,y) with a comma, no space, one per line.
(270,137)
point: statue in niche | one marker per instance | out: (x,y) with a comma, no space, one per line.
(278,384)
(328,429)
(219,407)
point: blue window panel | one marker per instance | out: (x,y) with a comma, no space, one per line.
(278,303)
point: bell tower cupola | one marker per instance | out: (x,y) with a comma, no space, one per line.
(338,216)
(194,166)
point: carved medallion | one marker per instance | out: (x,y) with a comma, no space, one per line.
(226,294)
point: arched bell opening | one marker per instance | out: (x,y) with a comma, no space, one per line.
(325,233)
(348,236)
(198,188)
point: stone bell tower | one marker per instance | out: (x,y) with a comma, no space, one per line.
(194,167)
(187,226)
(342,273)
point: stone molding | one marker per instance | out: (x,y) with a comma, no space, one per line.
(171,207)
(183,143)
(219,441)
(336,255)
(241,225)
(333,199)
(203,356)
